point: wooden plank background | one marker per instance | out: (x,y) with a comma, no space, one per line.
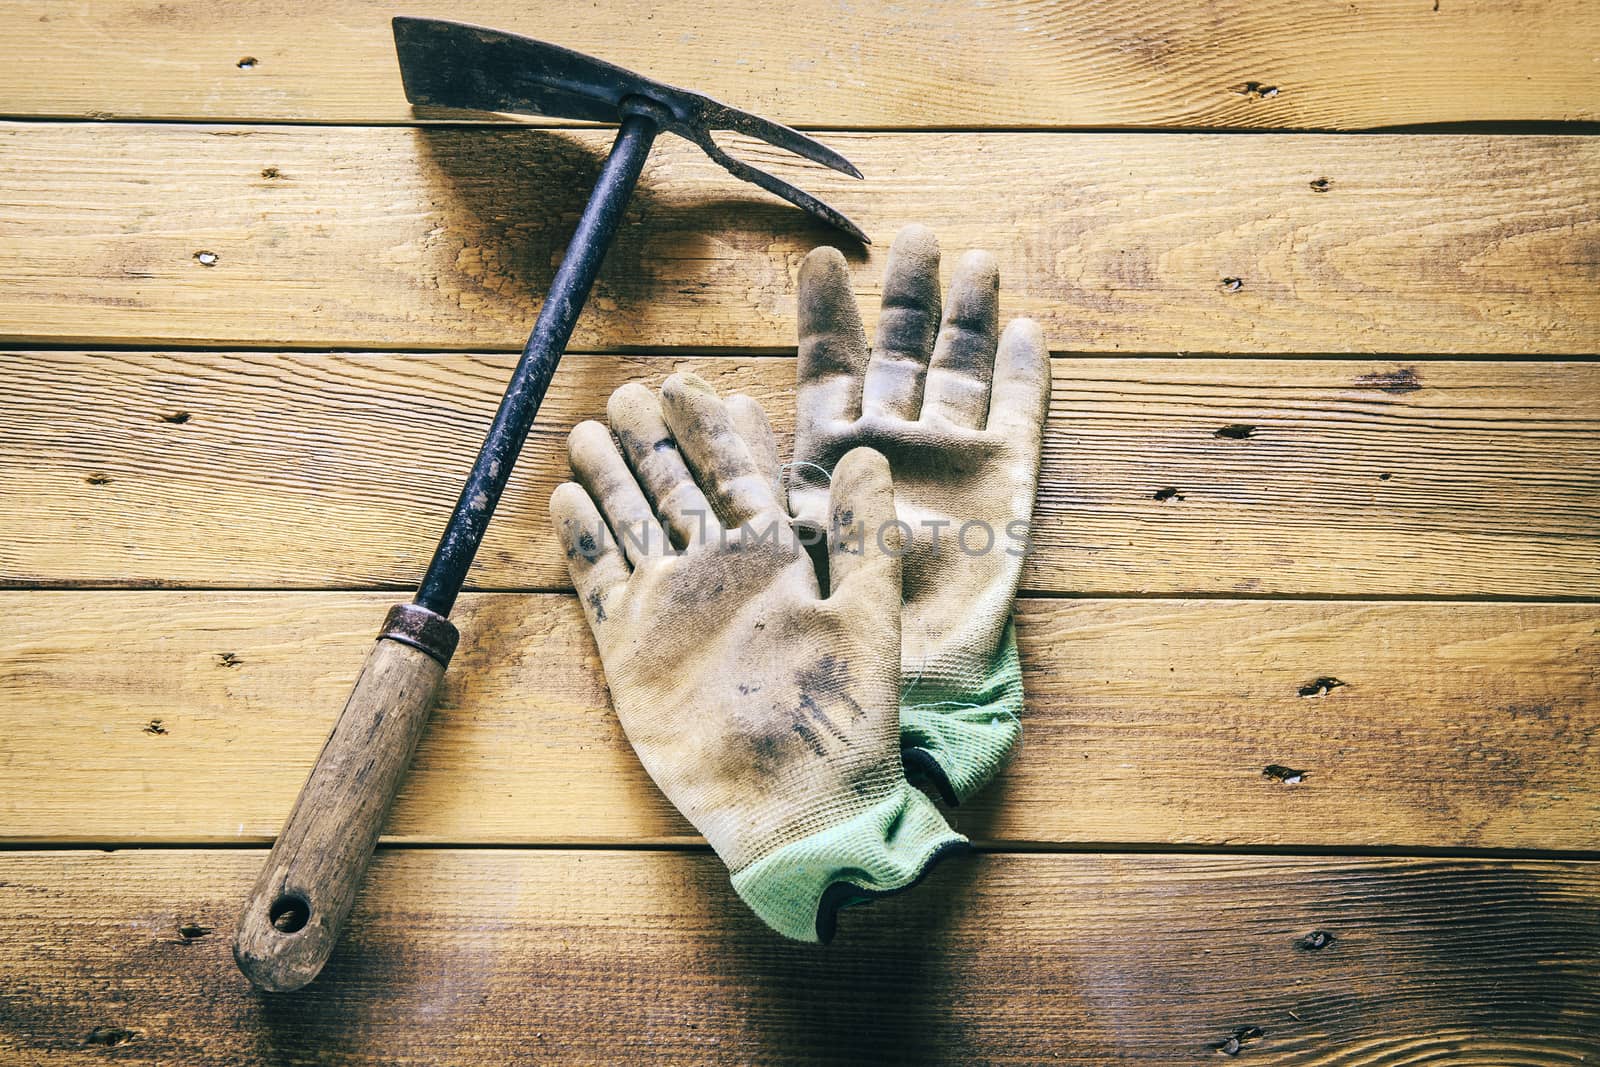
(1228,63)
(1149,722)
(608,957)
(1385,584)
(277,470)
(444,238)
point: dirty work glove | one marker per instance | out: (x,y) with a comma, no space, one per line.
(958,409)
(764,711)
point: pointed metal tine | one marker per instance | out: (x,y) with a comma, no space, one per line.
(778,187)
(722,117)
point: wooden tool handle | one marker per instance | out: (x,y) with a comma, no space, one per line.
(299,904)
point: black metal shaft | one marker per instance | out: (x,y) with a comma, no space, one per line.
(602,216)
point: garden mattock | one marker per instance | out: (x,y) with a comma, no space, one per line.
(304,894)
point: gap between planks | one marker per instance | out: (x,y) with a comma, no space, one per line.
(697,845)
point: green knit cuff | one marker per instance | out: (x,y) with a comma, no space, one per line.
(799,889)
(958,733)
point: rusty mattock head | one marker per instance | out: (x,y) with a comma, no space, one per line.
(455,65)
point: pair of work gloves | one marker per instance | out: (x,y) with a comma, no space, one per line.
(779,696)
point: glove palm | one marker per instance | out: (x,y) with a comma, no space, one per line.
(765,711)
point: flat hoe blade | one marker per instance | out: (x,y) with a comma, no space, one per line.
(470,68)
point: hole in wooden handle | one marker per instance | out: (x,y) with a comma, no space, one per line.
(289,913)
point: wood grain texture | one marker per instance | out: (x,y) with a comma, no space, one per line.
(1014,63)
(441,238)
(597,957)
(238,470)
(193,718)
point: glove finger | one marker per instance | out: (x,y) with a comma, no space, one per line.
(907,326)
(726,470)
(963,357)
(601,470)
(833,346)
(750,420)
(865,542)
(594,561)
(1020,399)
(650,450)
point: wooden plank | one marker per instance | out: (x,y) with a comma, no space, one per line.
(239,470)
(439,238)
(1122,63)
(193,718)
(597,957)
